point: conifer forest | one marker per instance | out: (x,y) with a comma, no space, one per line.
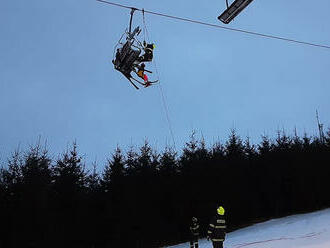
(145,198)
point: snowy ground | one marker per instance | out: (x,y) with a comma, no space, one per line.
(306,231)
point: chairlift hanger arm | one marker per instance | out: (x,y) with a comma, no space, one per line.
(131,19)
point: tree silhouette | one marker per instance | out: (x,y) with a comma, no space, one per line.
(145,198)
(168,163)
(69,185)
(234,147)
(114,171)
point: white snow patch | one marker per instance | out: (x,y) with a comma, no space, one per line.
(298,231)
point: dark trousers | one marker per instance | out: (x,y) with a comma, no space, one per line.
(217,244)
(194,242)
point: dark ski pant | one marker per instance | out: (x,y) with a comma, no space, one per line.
(194,242)
(217,244)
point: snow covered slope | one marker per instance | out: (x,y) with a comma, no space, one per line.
(305,230)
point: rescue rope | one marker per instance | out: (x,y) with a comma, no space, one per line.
(165,108)
(222,27)
(160,87)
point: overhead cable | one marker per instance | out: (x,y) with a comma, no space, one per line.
(218,26)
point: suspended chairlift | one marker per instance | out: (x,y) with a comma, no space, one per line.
(126,59)
(233,10)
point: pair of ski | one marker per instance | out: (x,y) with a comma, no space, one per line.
(145,84)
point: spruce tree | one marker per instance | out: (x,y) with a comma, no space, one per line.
(145,160)
(168,163)
(131,162)
(234,147)
(114,171)
(69,189)
(249,149)
(69,172)
(266,146)
(93,180)
(33,197)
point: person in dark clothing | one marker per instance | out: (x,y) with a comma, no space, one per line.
(148,52)
(117,61)
(217,229)
(194,233)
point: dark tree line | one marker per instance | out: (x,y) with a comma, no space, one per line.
(145,198)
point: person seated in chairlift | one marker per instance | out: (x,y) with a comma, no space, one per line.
(148,52)
(117,61)
(142,75)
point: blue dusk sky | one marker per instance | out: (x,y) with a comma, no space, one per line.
(57,82)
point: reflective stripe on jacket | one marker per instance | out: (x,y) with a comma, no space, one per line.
(194,229)
(217,228)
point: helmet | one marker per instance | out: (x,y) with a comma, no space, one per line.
(194,219)
(221,210)
(153,46)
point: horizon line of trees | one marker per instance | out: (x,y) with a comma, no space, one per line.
(145,198)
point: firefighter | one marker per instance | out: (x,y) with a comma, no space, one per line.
(217,228)
(148,52)
(194,233)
